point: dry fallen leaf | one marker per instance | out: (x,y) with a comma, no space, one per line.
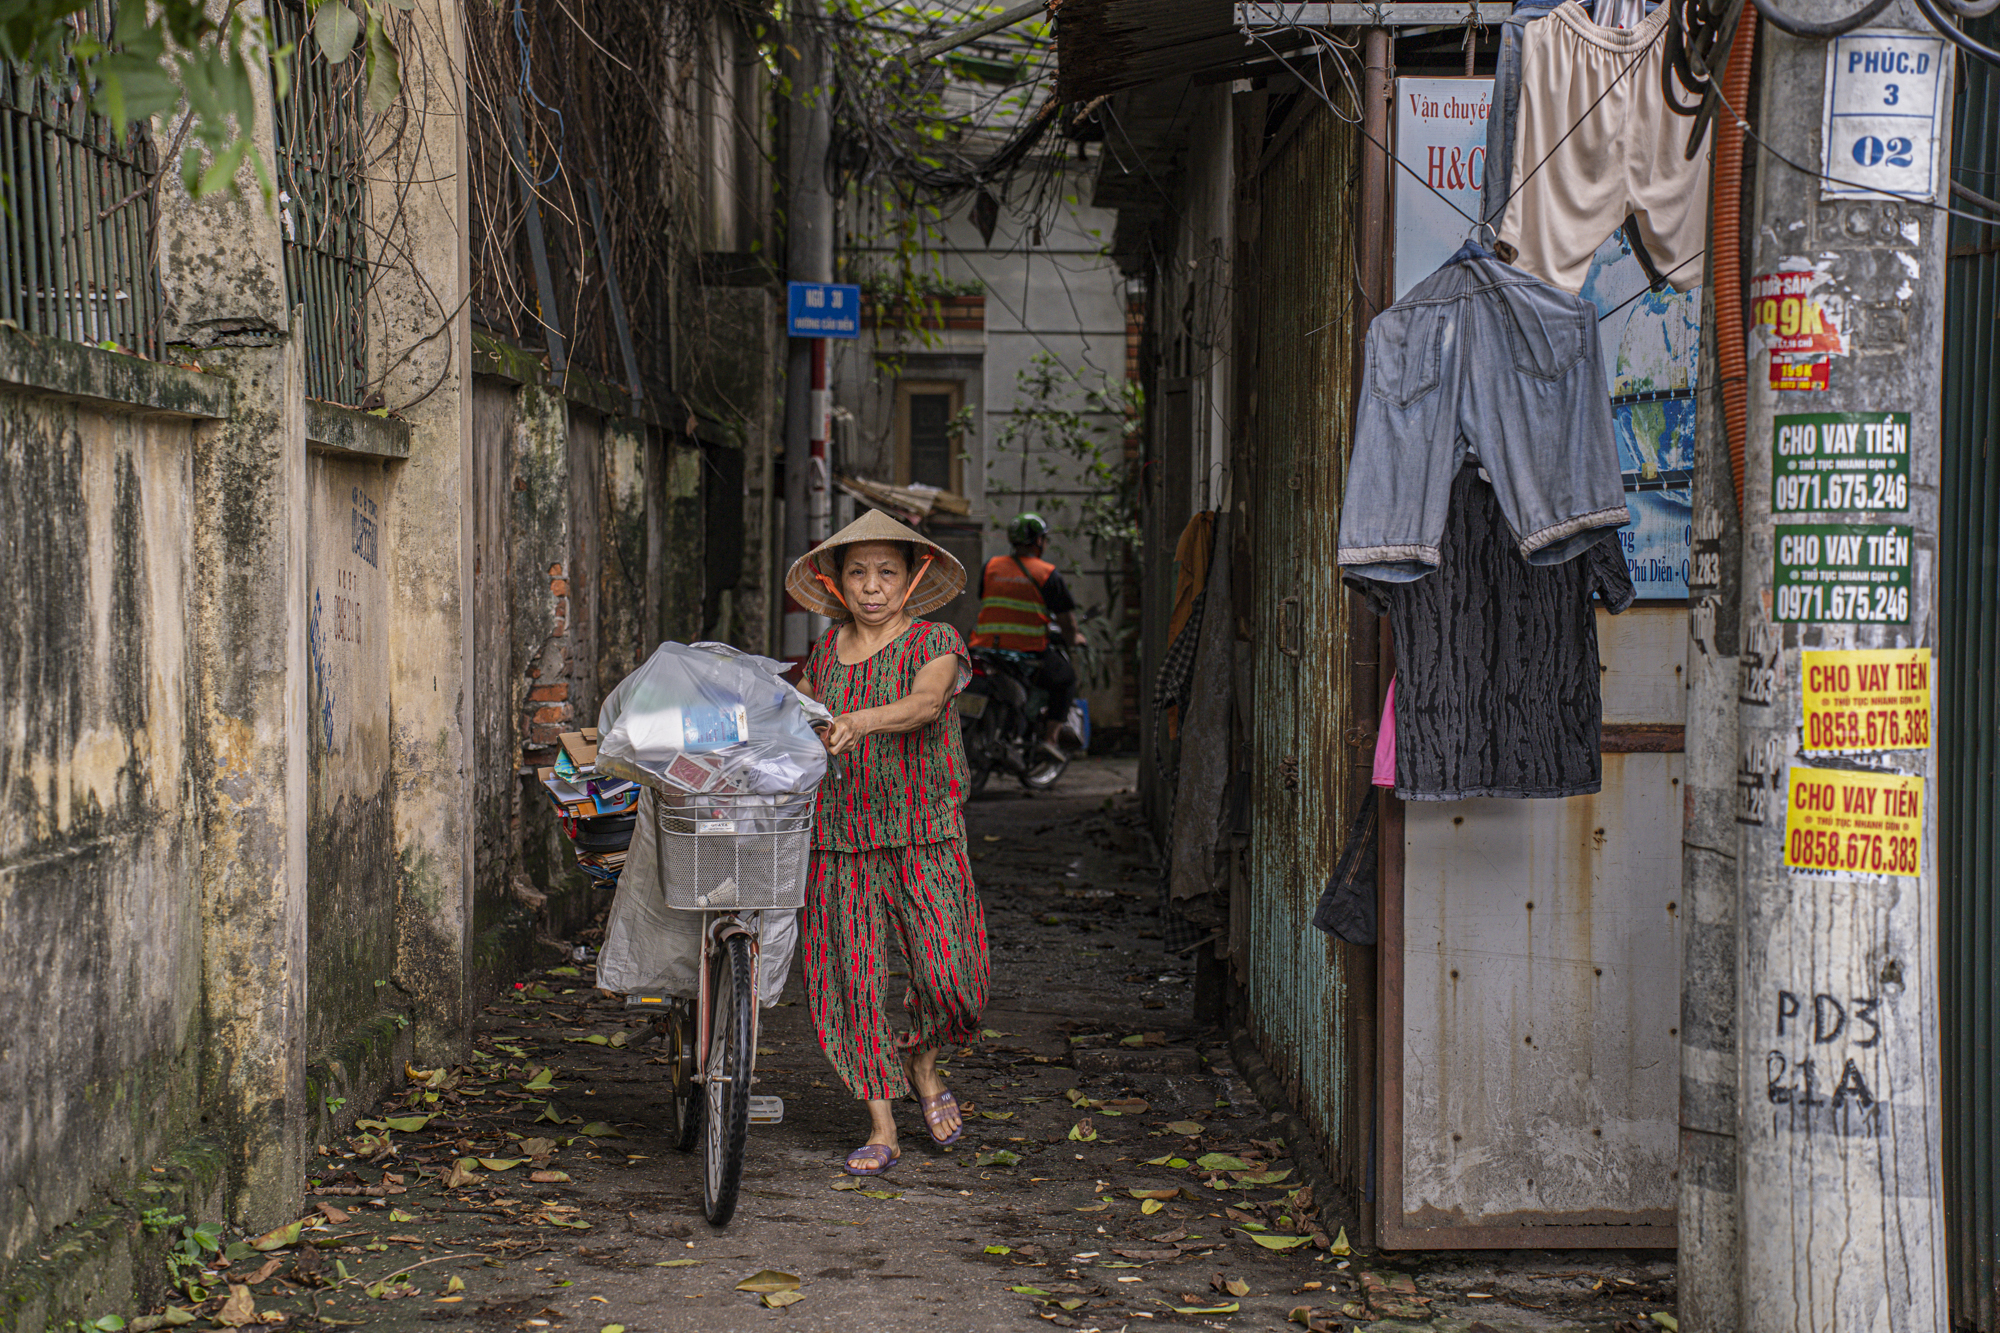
(549,1177)
(331,1213)
(769,1280)
(239,1309)
(265,1270)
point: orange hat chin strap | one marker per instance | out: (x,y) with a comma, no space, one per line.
(921,570)
(831,586)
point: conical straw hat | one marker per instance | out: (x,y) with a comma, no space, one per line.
(943,579)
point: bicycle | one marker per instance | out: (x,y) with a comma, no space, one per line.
(723,855)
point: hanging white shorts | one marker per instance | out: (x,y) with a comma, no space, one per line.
(1623,154)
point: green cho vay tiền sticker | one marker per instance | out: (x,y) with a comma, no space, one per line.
(1841,573)
(1840,462)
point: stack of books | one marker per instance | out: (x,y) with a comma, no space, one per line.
(596,811)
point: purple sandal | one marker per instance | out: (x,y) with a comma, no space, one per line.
(880,1158)
(934,1108)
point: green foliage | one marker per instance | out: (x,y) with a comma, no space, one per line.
(164,55)
(155,1220)
(191,1255)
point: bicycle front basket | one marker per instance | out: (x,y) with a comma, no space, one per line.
(723,853)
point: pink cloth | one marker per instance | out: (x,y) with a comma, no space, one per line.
(1385,741)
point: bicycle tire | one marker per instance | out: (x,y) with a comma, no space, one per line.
(686,1094)
(732,1054)
(1043,772)
(976,738)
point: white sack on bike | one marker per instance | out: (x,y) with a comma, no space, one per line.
(651,948)
(708,718)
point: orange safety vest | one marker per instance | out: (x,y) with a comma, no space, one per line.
(1012,613)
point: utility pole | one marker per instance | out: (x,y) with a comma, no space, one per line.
(1837,999)
(808,258)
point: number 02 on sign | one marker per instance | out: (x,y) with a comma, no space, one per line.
(1854,823)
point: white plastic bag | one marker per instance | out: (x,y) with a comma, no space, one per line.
(653,949)
(710,718)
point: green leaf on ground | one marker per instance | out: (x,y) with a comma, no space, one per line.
(544,1078)
(1186,1127)
(1028,1291)
(1230,1308)
(1261,1177)
(287,1234)
(778,1300)
(598,1129)
(1666,1321)
(880,1194)
(998,1157)
(1151,1206)
(678,1263)
(594,1039)
(407,1124)
(500,1163)
(1082,1132)
(398,1215)
(1221,1161)
(999,1249)
(1277,1242)
(564,972)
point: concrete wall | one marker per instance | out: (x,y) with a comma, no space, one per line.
(273,677)
(100,904)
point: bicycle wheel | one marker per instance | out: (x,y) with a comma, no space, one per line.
(731,1060)
(687,1094)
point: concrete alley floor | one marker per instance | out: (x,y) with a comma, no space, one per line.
(577,1214)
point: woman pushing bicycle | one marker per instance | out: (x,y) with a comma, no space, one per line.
(889,830)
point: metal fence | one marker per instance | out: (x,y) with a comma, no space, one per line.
(77,229)
(321,201)
(1968,845)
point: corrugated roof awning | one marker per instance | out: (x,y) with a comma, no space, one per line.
(1105,45)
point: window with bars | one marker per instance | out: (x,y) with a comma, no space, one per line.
(320,202)
(77,229)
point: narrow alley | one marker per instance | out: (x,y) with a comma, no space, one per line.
(1119,1171)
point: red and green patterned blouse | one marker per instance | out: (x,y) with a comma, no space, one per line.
(890,791)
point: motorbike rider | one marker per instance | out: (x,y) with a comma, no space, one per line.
(1018,596)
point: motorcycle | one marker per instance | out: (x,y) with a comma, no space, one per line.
(1000,722)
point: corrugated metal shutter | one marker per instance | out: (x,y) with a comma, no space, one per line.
(1968,728)
(1301,986)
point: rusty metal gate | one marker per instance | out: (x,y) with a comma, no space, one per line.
(1308,1005)
(1969,730)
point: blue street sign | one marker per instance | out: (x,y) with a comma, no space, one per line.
(823,310)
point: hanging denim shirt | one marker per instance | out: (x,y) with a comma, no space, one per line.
(1480,360)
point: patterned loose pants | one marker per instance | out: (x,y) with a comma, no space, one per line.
(852,899)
